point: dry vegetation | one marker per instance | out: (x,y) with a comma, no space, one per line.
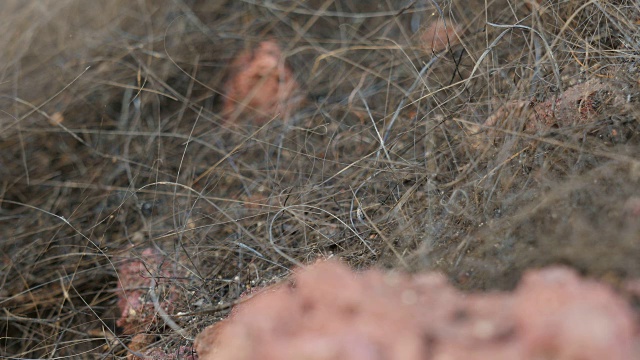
(479,157)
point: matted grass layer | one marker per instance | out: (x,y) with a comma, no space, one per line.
(112,141)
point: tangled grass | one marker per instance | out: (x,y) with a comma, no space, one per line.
(113,141)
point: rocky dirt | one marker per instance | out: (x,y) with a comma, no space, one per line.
(326,311)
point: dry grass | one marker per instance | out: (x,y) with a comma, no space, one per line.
(112,141)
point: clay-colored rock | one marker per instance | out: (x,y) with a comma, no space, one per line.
(137,311)
(440,34)
(260,86)
(328,312)
(578,104)
(559,316)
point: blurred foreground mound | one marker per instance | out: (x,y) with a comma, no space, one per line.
(328,312)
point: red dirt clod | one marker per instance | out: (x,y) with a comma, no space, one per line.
(138,313)
(440,34)
(631,207)
(560,316)
(578,104)
(329,312)
(261,85)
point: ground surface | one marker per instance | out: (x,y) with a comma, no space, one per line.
(504,139)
